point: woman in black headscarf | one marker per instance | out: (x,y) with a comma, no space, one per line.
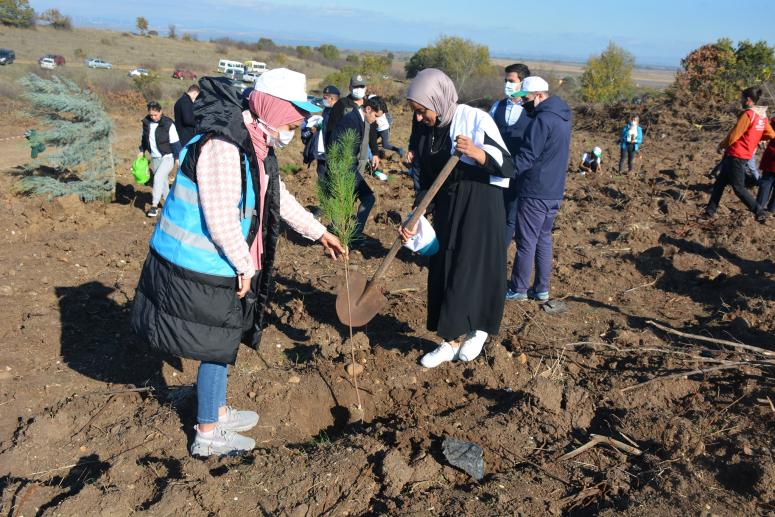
(466,285)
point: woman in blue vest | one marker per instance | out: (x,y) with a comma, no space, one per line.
(208,275)
(629,142)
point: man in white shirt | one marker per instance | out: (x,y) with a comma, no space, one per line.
(511,121)
(160,139)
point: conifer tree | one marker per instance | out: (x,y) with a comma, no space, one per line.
(337,199)
(77,124)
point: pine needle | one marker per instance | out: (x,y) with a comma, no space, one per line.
(336,192)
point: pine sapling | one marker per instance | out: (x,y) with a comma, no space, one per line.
(337,199)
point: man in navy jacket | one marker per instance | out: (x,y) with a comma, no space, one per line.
(360,121)
(541,165)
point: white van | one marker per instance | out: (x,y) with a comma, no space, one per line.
(224,64)
(255,67)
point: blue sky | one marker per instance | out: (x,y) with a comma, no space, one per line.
(657,32)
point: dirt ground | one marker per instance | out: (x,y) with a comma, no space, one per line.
(95,424)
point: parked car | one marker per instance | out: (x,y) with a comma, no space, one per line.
(317,101)
(137,72)
(234,73)
(98,63)
(7,56)
(184,74)
(48,63)
(58,60)
(249,77)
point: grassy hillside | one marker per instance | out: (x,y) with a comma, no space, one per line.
(126,51)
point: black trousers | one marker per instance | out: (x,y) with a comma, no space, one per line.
(732,172)
(629,153)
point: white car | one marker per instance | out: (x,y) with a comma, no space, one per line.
(98,63)
(249,77)
(48,63)
(137,72)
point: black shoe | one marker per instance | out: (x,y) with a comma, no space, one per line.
(153,212)
(761,216)
(708,214)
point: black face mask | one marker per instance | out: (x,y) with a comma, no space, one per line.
(529,107)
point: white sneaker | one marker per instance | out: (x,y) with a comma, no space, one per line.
(238,421)
(221,442)
(443,354)
(472,346)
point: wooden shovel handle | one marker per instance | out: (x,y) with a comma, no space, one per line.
(412,222)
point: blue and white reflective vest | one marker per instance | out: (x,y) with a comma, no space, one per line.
(181,235)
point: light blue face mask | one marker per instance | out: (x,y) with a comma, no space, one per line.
(509,88)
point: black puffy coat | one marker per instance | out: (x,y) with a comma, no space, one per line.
(198,316)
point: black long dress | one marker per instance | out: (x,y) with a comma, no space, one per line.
(466,278)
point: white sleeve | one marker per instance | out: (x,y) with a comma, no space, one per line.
(493,108)
(174,134)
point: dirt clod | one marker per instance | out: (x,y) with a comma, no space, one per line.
(396,472)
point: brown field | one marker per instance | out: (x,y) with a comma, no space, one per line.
(94,423)
(642,77)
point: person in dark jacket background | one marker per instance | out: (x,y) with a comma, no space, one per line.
(360,121)
(345,105)
(184,114)
(541,167)
(330,98)
(512,122)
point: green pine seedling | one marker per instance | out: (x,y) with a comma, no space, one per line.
(336,193)
(337,199)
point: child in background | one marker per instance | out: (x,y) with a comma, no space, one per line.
(591,161)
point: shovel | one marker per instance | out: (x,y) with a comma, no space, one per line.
(364,299)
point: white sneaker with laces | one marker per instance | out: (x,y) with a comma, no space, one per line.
(472,346)
(238,421)
(443,354)
(221,442)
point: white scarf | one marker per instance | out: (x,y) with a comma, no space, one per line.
(475,123)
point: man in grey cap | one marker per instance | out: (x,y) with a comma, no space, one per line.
(345,105)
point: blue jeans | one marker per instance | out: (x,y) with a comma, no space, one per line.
(367,199)
(414,173)
(763,199)
(535,219)
(210,391)
(385,135)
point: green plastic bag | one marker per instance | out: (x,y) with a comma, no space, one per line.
(140,170)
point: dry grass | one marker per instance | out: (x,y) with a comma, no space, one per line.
(644,77)
(126,52)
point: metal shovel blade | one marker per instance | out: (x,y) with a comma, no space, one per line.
(365,301)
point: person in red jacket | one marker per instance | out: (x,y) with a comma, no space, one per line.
(767,166)
(739,147)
